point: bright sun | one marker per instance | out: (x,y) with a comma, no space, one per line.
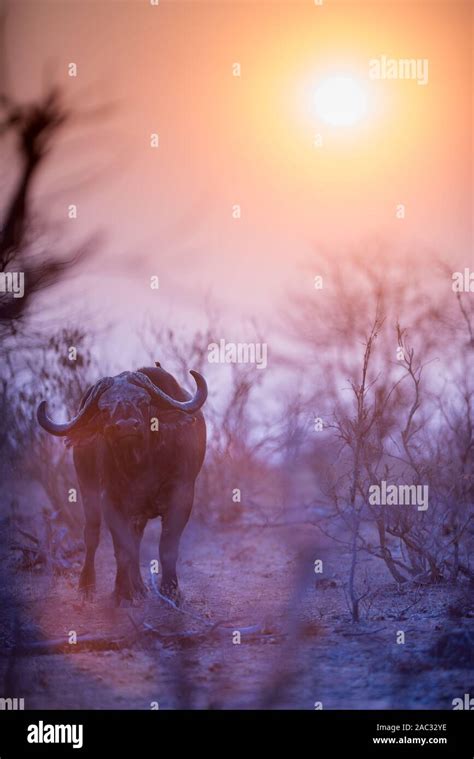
(340,101)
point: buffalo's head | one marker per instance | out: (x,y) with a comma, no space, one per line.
(119,408)
(124,412)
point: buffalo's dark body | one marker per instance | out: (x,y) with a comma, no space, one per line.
(141,464)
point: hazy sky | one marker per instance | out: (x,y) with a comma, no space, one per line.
(247,140)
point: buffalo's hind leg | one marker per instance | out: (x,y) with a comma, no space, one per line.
(173,524)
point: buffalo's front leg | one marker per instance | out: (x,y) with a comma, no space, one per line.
(91,539)
(87,475)
(173,524)
(126,535)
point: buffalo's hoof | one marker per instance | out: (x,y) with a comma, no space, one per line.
(124,603)
(127,596)
(87,594)
(172,592)
(87,587)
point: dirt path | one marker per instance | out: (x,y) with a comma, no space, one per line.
(305,649)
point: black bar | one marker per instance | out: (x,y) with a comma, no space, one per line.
(423,734)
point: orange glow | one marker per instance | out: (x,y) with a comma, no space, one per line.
(253,139)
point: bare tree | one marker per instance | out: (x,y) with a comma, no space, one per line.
(397,419)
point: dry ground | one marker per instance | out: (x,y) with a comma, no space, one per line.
(304,649)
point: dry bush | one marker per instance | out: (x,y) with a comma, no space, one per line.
(33,458)
(398,404)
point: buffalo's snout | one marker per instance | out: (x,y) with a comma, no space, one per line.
(122,428)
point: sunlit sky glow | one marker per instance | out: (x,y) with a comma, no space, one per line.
(249,140)
(340,101)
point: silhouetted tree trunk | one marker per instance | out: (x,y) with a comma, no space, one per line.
(35,127)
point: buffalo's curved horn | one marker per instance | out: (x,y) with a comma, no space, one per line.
(156,393)
(88,407)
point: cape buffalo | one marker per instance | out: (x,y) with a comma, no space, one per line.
(138,444)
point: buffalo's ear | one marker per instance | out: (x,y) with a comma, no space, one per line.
(157,363)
